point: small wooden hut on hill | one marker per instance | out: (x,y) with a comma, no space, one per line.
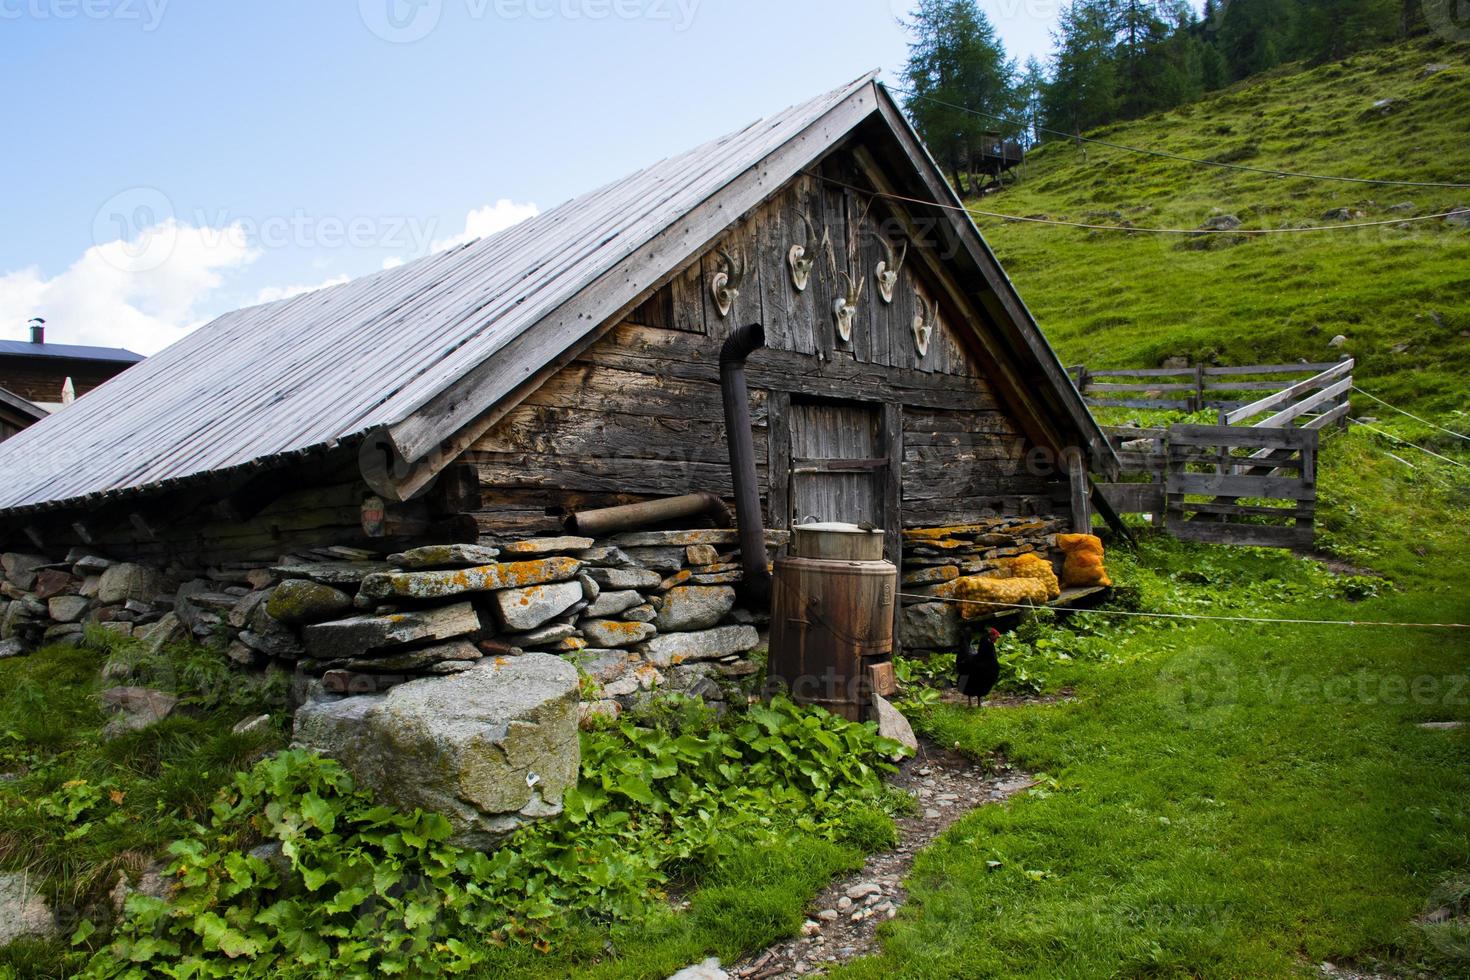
(494,391)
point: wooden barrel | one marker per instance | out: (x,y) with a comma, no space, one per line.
(830,621)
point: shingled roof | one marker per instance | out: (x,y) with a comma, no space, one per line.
(420,351)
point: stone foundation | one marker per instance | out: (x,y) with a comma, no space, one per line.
(936,558)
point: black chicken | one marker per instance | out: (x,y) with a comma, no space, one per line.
(977,668)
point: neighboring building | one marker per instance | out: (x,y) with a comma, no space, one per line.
(16,413)
(37,371)
(572,362)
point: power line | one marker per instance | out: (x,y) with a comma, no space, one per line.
(1184,159)
(1432,425)
(1135,229)
(1194,616)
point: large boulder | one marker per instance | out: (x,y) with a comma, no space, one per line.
(491,748)
(694,607)
(20,569)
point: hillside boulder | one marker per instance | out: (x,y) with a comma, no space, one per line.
(23,910)
(491,748)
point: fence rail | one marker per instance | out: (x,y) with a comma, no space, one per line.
(1192,389)
(1232,483)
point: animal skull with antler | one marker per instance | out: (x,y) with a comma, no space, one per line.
(888,269)
(803,257)
(923,324)
(727,282)
(845,306)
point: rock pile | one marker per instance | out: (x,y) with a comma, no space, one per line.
(934,559)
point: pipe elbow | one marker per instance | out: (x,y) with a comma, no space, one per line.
(741,343)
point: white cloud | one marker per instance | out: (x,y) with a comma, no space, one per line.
(487,221)
(141,294)
(272,293)
(392,262)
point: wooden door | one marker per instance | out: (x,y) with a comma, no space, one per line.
(838,463)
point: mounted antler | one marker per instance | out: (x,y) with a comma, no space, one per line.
(801,258)
(845,306)
(727,282)
(888,269)
(923,323)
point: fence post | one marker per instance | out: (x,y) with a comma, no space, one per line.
(1199,387)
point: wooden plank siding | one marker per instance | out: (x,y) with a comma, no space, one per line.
(638,413)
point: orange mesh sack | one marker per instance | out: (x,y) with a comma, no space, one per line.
(1032,566)
(1084,564)
(981,588)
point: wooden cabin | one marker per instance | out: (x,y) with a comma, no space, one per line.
(571,362)
(39,371)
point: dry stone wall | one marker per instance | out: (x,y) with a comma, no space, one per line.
(634,613)
(935,558)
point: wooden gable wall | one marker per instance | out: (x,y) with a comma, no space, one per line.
(638,413)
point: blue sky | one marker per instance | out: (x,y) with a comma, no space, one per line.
(170,160)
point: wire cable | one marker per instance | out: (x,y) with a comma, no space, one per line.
(1180,157)
(1405,442)
(1133,229)
(1432,425)
(1193,616)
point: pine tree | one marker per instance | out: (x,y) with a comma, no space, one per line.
(1329,30)
(1256,35)
(1083,92)
(956,58)
(1031,90)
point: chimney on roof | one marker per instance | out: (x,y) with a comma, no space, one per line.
(38,330)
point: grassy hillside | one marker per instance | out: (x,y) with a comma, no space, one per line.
(1120,300)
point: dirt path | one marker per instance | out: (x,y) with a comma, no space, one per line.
(845,917)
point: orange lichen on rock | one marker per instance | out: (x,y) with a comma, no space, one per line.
(1031,566)
(1084,562)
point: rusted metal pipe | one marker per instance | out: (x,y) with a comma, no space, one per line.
(630,517)
(756,580)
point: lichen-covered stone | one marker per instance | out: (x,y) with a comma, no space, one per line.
(694,607)
(21,569)
(491,748)
(701,554)
(534,605)
(615,633)
(604,666)
(611,603)
(297,601)
(543,636)
(666,559)
(932,575)
(723,641)
(332,572)
(445,556)
(625,578)
(358,635)
(528,547)
(644,613)
(590,714)
(420,658)
(481,578)
(23,910)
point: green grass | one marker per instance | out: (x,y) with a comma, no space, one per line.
(1114,300)
(77,811)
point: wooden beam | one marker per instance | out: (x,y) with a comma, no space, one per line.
(1289,393)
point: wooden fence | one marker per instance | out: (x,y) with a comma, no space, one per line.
(1194,388)
(1235,483)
